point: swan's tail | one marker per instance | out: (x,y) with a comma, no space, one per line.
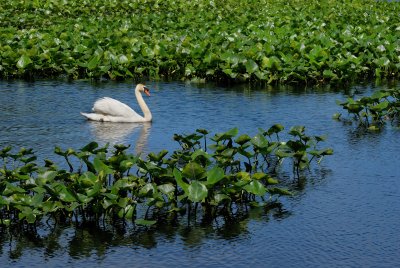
(93,116)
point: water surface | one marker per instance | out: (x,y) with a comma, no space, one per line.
(347,214)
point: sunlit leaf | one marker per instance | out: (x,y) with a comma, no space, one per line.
(193,171)
(214,175)
(99,165)
(23,62)
(259,141)
(166,188)
(255,187)
(251,66)
(197,191)
(180,182)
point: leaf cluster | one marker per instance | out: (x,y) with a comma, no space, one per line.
(372,111)
(270,41)
(232,171)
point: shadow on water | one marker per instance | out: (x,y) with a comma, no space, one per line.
(116,133)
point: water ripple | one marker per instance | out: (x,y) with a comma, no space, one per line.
(346,216)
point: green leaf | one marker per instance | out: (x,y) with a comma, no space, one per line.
(329,74)
(144,222)
(66,196)
(87,179)
(242,139)
(108,203)
(255,187)
(127,164)
(147,190)
(90,147)
(83,198)
(259,176)
(251,66)
(156,158)
(166,188)
(123,202)
(93,62)
(275,129)
(4,201)
(202,131)
(100,166)
(37,199)
(272,63)
(130,211)
(193,171)
(51,206)
(336,116)
(226,135)
(122,59)
(271,181)
(11,189)
(197,191)
(379,107)
(218,198)
(23,62)
(243,176)
(94,190)
(297,131)
(259,141)
(279,191)
(198,153)
(179,181)
(80,48)
(46,177)
(5,222)
(214,175)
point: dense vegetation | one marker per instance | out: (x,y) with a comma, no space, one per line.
(373,111)
(229,174)
(272,41)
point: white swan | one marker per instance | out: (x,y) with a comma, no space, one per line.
(110,110)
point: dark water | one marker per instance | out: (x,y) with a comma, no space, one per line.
(347,215)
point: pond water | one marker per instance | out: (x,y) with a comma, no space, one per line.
(347,214)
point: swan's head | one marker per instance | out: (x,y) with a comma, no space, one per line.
(143,88)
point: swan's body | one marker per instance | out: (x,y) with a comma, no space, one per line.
(110,110)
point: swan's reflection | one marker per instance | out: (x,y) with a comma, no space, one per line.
(121,133)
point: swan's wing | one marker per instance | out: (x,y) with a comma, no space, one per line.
(109,106)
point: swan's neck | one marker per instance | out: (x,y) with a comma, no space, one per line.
(143,106)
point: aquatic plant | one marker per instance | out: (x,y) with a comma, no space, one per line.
(232,172)
(373,111)
(310,42)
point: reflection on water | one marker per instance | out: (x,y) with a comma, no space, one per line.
(86,240)
(120,133)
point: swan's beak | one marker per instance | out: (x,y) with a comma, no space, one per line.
(147,91)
